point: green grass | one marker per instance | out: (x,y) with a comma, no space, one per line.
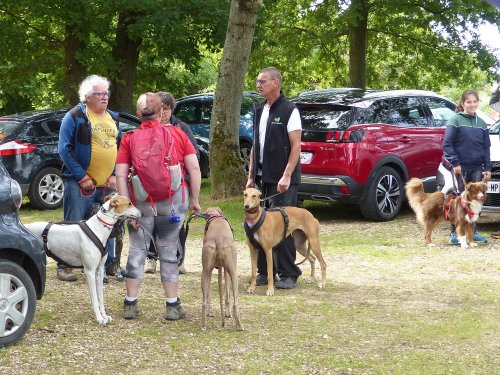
(391,306)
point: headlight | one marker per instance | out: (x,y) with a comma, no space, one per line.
(16,193)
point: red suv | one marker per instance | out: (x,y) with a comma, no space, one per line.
(360,147)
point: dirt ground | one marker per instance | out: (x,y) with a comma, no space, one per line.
(391,306)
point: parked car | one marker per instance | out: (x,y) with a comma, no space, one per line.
(196,110)
(28,149)
(22,265)
(360,147)
(492,203)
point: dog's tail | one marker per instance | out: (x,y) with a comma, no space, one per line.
(416,195)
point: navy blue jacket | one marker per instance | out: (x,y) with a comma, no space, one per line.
(467,143)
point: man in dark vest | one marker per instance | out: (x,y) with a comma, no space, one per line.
(275,167)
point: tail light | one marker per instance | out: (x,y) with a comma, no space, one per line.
(346,136)
(15,148)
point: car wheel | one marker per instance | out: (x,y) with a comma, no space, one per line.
(46,189)
(17,302)
(384,196)
(245,149)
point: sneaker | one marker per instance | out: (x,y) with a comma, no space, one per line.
(66,274)
(261,280)
(175,312)
(130,310)
(182,269)
(453,239)
(286,283)
(479,239)
(150,266)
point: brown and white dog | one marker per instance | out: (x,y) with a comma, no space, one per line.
(219,251)
(303,226)
(462,210)
(69,243)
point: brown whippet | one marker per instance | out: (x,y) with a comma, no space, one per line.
(219,251)
(303,226)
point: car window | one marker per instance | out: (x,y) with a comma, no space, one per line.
(189,112)
(324,117)
(247,105)
(7,127)
(206,112)
(441,110)
(126,124)
(406,112)
(45,128)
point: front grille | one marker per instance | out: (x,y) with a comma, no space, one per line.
(495,172)
(492,200)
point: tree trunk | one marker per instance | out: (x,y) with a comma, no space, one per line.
(358,37)
(74,70)
(226,166)
(126,56)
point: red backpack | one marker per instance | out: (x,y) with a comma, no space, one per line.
(156,162)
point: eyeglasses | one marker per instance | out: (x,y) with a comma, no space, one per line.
(102,94)
(167,108)
(261,81)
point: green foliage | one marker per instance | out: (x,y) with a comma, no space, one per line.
(426,45)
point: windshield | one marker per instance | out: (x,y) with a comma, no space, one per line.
(7,127)
(495,128)
(324,118)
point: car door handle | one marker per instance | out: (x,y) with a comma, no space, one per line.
(405,139)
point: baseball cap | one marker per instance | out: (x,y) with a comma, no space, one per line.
(149,105)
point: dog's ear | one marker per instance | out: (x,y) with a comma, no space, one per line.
(219,210)
(113,202)
(107,198)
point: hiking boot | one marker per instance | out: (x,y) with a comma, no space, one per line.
(286,283)
(130,310)
(453,239)
(66,274)
(480,239)
(182,269)
(175,311)
(150,266)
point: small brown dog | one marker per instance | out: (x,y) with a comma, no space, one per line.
(303,226)
(462,210)
(219,251)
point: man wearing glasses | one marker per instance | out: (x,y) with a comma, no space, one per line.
(275,167)
(88,146)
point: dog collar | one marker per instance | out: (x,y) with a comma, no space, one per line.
(108,225)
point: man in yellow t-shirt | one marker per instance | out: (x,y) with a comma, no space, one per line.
(88,145)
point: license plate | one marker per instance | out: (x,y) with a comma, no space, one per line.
(306,157)
(493,187)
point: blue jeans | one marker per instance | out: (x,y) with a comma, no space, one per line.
(76,207)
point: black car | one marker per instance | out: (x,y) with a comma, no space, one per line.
(196,111)
(28,149)
(22,265)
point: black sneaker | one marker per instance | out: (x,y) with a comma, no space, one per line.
(261,280)
(286,283)
(130,310)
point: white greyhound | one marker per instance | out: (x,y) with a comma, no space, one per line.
(70,244)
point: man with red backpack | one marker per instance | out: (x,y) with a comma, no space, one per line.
(157,157)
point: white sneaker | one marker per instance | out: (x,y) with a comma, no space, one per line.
(150,266)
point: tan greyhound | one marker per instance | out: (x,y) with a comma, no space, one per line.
(303,226)
(219,251)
